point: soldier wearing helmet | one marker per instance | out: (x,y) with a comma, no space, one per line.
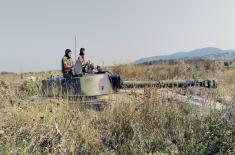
(81,58)
(67,64)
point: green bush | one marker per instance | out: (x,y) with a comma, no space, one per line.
(29,88)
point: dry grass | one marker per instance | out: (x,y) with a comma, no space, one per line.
(138,122)
(163,71)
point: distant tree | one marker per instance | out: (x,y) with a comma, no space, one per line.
(5,72)
(226,64)
(172,62)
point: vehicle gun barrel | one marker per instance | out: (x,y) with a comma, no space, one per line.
(171,84)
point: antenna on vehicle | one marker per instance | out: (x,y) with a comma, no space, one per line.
(75,50)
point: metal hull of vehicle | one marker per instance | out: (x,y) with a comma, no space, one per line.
(89,85)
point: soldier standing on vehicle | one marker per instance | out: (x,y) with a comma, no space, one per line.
(67,64)
(80,66)
(81,58)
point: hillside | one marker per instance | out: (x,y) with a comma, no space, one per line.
(204,53)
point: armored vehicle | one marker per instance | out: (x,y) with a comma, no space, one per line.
(105,83)
(87,85)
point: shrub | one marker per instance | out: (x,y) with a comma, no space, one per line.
(29,88)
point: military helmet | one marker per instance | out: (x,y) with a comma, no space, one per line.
(67,51)
(82,51)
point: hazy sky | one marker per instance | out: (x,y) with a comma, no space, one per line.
(34,34)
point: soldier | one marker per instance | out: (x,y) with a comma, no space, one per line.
(80,66)
(81,58)
(67,64)
(98,70)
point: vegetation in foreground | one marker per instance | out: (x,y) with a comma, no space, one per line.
(137,122)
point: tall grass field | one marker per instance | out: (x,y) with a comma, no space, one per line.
(132,121)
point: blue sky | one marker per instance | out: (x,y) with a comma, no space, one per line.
(34,34)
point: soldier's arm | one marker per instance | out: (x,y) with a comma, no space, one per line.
(68,65)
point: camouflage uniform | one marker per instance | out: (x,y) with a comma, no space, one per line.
(67,66)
